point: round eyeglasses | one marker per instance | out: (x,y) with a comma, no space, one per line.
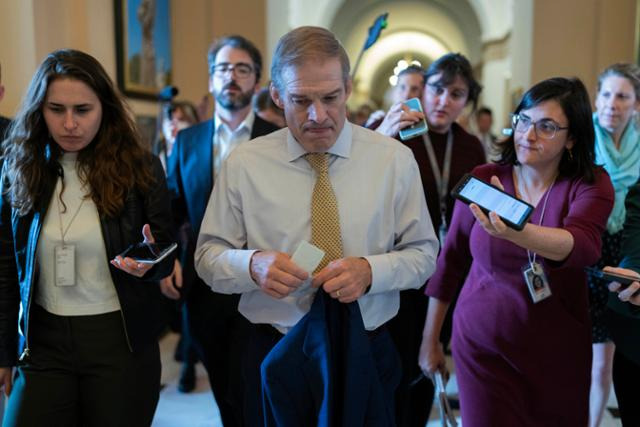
(241,70)
(545,128)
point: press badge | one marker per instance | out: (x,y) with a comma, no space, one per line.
(65,267)
(536,281)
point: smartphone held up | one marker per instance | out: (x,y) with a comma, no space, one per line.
(418,128)
(514,212)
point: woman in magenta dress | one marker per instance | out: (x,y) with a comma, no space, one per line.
(523,358)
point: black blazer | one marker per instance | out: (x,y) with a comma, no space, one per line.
(623,318)
(139,298)
(190,181)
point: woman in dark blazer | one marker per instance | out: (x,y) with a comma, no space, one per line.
(78,321)
(623,315)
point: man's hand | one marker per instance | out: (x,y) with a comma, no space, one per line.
(6,380)
(170,286)
(398,117)
(345,279)
(131,266)
(630,293)
(275,273)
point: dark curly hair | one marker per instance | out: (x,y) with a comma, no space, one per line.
(113,164)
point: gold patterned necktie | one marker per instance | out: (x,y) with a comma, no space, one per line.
(325,219)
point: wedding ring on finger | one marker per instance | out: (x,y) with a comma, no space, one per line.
(338,293)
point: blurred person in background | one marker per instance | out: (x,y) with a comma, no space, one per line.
(410,85)
(618,151)
(266,109)
(177,115)
(484,121)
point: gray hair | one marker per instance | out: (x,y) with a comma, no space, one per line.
(302,44)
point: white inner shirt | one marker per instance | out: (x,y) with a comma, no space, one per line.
(225,139)
(94,291)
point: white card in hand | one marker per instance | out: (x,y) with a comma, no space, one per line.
(307,256)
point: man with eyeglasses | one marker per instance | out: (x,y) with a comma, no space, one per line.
(218,330)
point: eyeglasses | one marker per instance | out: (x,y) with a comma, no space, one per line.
(240,69)
(545,128)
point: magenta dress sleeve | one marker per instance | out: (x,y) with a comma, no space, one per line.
(586,219)
(455,258)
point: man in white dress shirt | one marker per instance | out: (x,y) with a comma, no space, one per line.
(259,210)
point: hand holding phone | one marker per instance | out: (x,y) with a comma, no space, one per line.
(512,211)
(149,253)
(610,276)
(418,128)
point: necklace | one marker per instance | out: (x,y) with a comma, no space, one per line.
(523,190)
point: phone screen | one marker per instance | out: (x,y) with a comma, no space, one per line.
(491,199)
(149,252)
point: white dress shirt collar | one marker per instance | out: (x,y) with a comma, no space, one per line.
(247,123)
(341,148)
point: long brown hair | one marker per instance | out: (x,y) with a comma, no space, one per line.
(113,164)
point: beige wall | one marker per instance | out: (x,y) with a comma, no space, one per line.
(581,37)
(29,29)
(197,23)
(549,37)
(18,43)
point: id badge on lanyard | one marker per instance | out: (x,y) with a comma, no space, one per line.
(441,178)
(65,266)
(536,280)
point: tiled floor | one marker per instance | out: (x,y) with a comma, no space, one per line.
(198,409)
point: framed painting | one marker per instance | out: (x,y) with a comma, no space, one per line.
(143,46)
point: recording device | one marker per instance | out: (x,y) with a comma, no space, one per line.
(168,93)
(608,276)
(513,211)
(418,128)
(149,253)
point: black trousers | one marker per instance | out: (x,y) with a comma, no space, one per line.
(414,395)
(262,338)
(626,379)
(219,334)
(82,373)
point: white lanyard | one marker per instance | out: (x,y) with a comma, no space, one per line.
(63,231)
(532,258)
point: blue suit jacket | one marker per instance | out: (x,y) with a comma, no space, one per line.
(190,181)
(189,169)
(322,373)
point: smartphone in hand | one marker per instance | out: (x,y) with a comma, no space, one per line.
(417,128)
(513,211)
(608,276)
(149,253)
